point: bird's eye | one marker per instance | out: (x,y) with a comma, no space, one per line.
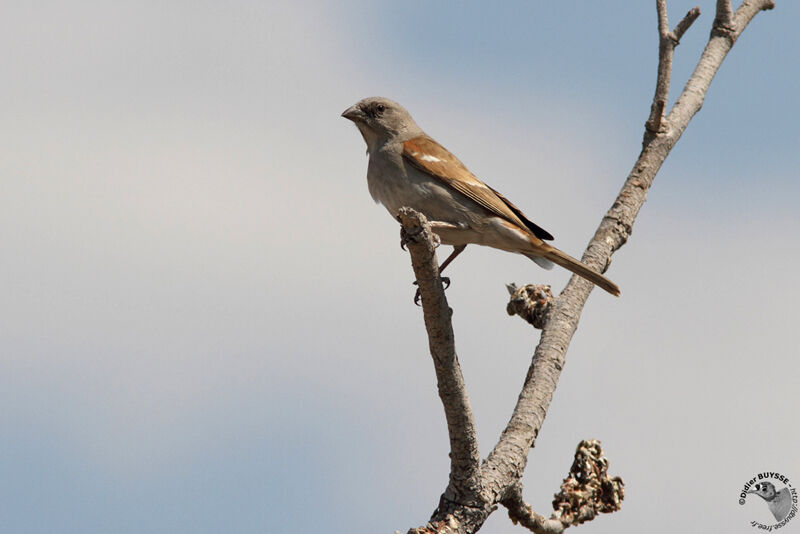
(381,108)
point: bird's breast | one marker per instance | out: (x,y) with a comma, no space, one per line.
(395,184)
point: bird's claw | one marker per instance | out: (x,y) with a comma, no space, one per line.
(417,295)
(406,237)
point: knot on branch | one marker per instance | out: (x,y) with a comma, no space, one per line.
(588,490)
(531,302)
(719,29)
(723,25)
(656,123)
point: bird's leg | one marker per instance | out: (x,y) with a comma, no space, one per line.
(457,249)
(448,232)
(438,228)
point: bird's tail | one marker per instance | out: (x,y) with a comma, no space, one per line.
(573,265)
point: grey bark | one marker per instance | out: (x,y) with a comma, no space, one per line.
(474,492)
(464,484)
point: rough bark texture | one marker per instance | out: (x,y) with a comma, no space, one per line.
(475,490)
(462,491)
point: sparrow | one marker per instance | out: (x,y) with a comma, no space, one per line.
(407,168)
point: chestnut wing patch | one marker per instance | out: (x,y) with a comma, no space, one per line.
(429,156)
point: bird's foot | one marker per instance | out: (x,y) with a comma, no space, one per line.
(406,237)
(409,237)
(417,296)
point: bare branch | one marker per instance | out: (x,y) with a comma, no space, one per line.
(663,21)
(464,456)
(586,491)
(521,513)
(667,41)
(665,48)
(691,99)
(724,16)
(729,24)
(507,461)
(462,510)
(684,24)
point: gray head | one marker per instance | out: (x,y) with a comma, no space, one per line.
(381,120)
(765,490)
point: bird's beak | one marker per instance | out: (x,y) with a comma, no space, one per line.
(353,113)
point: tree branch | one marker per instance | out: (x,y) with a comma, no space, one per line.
(461,510)
(586,491)
(464,483)
(521,513)
(508,459)
(720,43)
(667,41)
(684,24)
(724,16)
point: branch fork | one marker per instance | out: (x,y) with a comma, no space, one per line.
(667,42)
(475,488)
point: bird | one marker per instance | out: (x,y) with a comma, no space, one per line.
(408,168)
(779,502)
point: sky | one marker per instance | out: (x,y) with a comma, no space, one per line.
(207,324)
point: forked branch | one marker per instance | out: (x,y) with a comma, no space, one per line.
(474,492)
(667,41)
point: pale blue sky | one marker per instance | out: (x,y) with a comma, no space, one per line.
(207,324)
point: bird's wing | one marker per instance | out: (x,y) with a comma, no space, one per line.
(537,230)
(432,158)
(781,505)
